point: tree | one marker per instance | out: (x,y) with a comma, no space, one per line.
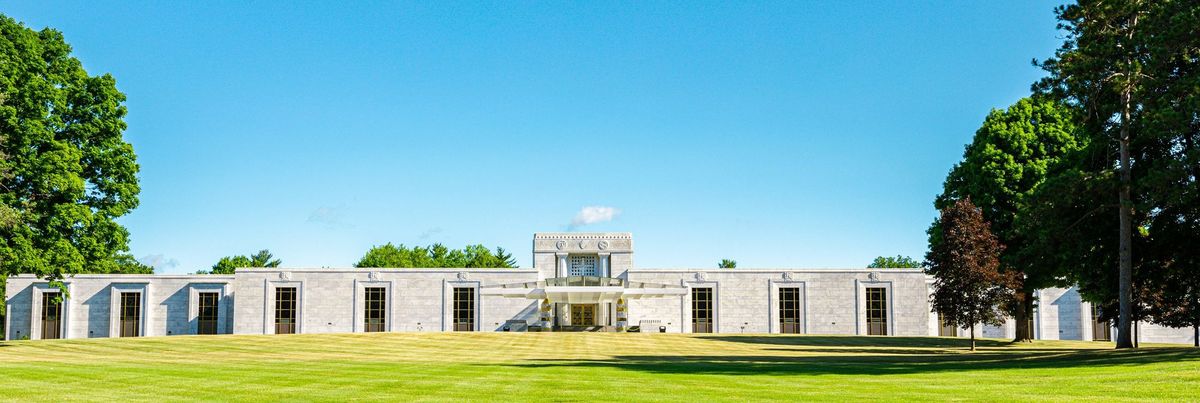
(1170,153)
(727,264)
(1011,155)
(969,287)
(435,256)
(1130,66)
(1175,300)
(897,262)
(66,172)
(229,264)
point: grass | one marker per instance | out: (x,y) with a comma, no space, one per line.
(588,366)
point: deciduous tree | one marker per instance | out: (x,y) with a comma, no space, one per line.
(229,264)
(1010,156)
(897,262)
(969,287)
(66,172)
(436,255)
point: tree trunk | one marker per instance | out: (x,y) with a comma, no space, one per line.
(1195,335)
(972,337)
(1023,313)
(1126,233)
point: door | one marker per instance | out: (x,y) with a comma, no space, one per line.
(206,313)
(945,330)
(131,314)
(583,315)
(51,316)
(1101,329)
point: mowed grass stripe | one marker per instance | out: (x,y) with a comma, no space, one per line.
(586,366)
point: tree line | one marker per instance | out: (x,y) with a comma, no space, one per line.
(390,256)
(1091,181)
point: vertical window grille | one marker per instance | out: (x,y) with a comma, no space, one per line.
(1101,329)
(464,309)
(945,330)
(206,314)
(131,314)
(790,320)
(285,310)
(51,315)
(877,321)
(582,265)
(702,310)
(375,306)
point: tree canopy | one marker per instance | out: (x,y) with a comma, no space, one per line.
(727,264)
(229,264)
(1011,154)
(1129,198)
(66,172)
(435,256)
(894,262)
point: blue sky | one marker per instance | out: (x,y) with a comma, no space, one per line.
(789,134)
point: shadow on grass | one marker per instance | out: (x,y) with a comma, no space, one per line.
(874,356)
(861,341)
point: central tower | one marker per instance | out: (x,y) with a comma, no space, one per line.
(567,254)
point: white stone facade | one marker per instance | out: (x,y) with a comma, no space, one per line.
(828,301)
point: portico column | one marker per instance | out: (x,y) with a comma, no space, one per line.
(562,265)
(604,272)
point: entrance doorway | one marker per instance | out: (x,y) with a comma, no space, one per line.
(583,314)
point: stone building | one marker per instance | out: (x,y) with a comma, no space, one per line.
(579,282)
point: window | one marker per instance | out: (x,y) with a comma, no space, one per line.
(51,315)
(582,265)
(375,309)
(131,314)
(206,313)
(285,310)
(790,320)
(702,310)
(1101,330)
(944,329)
(464,309)
(877,322)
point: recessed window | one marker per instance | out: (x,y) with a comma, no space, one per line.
(877,322)
(582,265)
(945,330)
(51,315)
(702,310)
(285,310)
(206,315)
(375,309)
(790,320)
(1101,329)
(464,309)
(131,314)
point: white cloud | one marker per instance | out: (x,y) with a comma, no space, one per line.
(593,215)
(330,217)
(159,261)
(429,233)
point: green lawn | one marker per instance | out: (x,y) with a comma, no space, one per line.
(588,366)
